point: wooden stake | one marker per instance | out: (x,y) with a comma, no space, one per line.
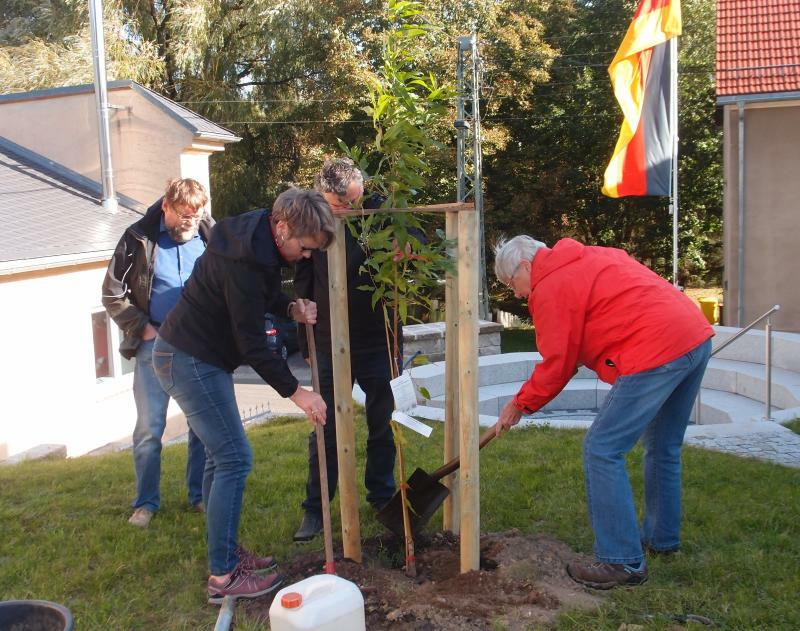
(432,208)
(343,395)
(468,266)
(451,433)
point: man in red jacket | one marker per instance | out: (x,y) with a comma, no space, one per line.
(598,307)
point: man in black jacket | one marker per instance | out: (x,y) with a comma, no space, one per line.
(145,278)
(341,183)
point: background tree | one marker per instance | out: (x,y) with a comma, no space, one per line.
(291,77)
(546,180)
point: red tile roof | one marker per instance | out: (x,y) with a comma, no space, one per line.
(758,46)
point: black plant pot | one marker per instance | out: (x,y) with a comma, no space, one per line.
(34,615)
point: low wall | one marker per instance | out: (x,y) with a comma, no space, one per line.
(428,339)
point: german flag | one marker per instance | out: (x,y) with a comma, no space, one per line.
(640,74)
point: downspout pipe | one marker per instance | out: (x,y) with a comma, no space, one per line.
(740,254)
(101,102)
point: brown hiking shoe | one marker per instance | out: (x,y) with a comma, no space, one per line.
(606,575)
(249,561)
(242,584)
(141,517)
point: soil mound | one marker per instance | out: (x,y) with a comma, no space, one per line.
(522,582)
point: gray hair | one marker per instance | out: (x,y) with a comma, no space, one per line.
(336,175)
(509,254)
(307,214)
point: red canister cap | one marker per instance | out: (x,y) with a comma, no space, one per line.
(291,600)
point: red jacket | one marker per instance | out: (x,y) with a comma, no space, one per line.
(598,307)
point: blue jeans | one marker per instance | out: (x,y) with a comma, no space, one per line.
(151,419)
(206,396)
(373,373)
(653,405)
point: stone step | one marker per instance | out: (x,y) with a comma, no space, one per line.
(492,370)
(582,397)
(579,394)
(748,379)
(717,406)
(751,347)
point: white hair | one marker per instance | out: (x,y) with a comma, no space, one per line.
(509,254)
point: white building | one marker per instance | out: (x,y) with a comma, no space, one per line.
(62,380)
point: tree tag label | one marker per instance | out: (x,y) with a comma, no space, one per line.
(405,397)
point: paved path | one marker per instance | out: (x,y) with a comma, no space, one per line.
(764,440)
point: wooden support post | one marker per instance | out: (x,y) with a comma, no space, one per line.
(343,395)
(451,434)
(468,266)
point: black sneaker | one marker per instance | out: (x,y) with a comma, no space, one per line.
(606,575)
(309,528)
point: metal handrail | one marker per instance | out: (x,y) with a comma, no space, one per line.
(745,330)
(767,361)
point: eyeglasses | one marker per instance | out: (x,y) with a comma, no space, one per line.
(510,279)
(194,216)
(343,204)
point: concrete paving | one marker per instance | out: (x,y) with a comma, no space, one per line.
(763,440)
(258,402)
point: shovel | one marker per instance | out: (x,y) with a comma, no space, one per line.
(425,494)
(330,568)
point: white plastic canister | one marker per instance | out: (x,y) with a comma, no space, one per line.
(322,603)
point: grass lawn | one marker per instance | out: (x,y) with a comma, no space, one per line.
(517,340)
(794,425)
(65,536)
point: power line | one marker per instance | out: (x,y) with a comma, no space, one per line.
(362,122)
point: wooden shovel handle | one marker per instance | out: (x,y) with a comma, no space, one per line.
(322,458)
(449,467)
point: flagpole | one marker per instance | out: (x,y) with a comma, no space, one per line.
(673,125)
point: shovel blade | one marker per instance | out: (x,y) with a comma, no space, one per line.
(425,494)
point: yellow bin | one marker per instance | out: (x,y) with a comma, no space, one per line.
(710,309)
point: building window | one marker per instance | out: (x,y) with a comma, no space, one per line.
(102,345)
(106,339)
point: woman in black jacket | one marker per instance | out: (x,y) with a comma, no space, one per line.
(217,325)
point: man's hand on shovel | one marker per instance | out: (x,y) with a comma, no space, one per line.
(311,403)
(304,311)
(509,416)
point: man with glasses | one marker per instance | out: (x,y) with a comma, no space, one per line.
(342,185)
(599,307)
(145,278)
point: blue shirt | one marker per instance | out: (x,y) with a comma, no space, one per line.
(173,266)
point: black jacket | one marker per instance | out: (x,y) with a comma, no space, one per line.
(220,316)
(129,278)
(368,331)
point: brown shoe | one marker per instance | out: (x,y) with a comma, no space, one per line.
(141,517)
(606,575)
(197,508)
(249,561)
(242,584)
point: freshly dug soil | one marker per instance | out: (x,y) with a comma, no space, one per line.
(522,582)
